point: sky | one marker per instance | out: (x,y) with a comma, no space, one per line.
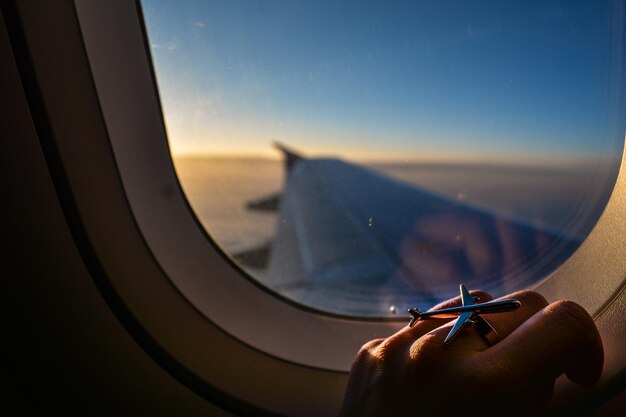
(391,80)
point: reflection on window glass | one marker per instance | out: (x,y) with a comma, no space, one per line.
(365,157)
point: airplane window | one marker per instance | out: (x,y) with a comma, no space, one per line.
(361,158)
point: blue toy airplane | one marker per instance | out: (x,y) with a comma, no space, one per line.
(467,313)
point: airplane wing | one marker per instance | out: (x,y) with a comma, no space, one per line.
(353,240)
(466,298)
(458,325)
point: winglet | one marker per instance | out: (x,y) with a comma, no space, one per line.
(291,157)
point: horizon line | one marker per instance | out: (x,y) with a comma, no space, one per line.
(540,159)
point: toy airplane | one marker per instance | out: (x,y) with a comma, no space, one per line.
(468,313)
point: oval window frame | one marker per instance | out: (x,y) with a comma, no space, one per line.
(183,248)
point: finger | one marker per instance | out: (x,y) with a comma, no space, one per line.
(361,371)
(562,338)
(504,323)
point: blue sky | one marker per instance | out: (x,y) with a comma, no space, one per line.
(413,79)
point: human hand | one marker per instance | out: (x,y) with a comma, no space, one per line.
(414,373)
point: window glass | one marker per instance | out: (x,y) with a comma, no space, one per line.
(364,157)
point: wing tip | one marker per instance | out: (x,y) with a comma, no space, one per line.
(291,156)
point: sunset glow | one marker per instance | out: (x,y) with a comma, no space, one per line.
(373,80)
